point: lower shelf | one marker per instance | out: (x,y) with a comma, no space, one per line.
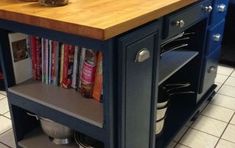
(37,139)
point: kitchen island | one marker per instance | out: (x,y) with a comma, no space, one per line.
(132,35)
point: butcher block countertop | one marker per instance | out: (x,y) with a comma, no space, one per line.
(97,19)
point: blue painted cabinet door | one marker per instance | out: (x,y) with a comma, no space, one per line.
(137,72)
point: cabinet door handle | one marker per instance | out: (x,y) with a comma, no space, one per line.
(142,55)
(208,9)
(212,69)
(221,8)
(217,37)
(179,23)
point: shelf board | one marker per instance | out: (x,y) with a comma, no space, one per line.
(172,61)
(37,139)
(67,101)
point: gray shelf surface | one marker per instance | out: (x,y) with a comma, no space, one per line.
(172,61)
(67,101)
(37,139)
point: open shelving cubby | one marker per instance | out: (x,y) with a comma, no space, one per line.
(66,101)
(172,61)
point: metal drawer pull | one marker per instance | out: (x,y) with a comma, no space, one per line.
(212,69)
(180,23)
(221,8)
(142,55)
(208,9)
(217,37)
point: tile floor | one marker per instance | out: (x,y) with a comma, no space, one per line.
(214,128)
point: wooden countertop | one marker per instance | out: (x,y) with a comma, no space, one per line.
(98,19)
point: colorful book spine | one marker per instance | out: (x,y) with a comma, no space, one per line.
(50,61)
(53,62)
(38,58)
(57,63)
(62,64)
(47,61)
(98,85)
(75,67)
(82,58)
(33,52)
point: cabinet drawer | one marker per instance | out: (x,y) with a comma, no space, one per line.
(181,20)
(219,11)
(211,69)
(215,36)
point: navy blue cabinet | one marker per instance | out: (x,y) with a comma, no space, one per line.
(137,51)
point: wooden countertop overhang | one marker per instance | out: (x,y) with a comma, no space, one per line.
(97,19)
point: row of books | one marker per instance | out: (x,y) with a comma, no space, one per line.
(67,66)
(58,64)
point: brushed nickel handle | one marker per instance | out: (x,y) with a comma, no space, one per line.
(212,69)
(217,37)
(208,9)
(142,55)
(221,8)
(180,23)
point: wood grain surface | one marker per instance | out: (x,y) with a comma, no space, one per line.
(98,19)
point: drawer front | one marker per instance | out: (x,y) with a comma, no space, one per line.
(181,20)
(215,36)
(219,11)
(211,69)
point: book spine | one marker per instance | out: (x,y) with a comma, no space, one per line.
(33,52)
(46,61)
(57,63)
(43,60)
(98,84)
(50,61)
(75,67)
(62,63)
(82,58)
(65,66)
(53,62)
(38,58)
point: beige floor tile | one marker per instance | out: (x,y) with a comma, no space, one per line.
(4,106)
(229,133)
(8,139)
(233,74)
(197,139)
(220,78)
(230,81)
(225,101)
(233,121)
(209,125)
(5,124)
(218,86)
(2,96)
(227,90)
(3,92)
(225,144)
(218,112)
(7,115)
(3,146)
(181,146)
(225,70)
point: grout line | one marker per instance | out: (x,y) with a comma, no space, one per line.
(226,95)
(178,142)
(223,106)
(215,118)
(225,129)
(227,140)
(5,145)
(204,132)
